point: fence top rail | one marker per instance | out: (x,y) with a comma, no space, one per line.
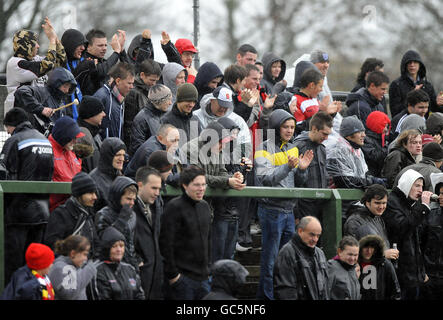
(250,192)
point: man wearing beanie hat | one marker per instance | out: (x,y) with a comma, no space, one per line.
(430,163)
(147,122)
(181,115)
(66,163)
(90,115)
(76,216)
(27,156)
(346,162)
(375,147)
(31,282)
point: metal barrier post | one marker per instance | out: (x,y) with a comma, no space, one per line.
(332,229)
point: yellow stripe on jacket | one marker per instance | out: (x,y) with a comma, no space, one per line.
(279,158)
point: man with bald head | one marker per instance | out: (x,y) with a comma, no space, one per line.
(292,280)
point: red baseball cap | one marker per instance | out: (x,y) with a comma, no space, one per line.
(183,45)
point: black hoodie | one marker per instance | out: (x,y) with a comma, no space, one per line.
(207,72)
(105,173)
(268,81)
(116,281)
(120,217)
(401,86)
(362,103)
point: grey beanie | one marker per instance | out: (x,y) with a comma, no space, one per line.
(159,93)
(351,125)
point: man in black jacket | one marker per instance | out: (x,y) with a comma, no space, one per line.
(300,268)
(181,115)
(110,166)
(413,76)
(76,216)
(92,72)
(148,209)
(119,214)
(408,207)
(320,127)
(147,121)
(369,99)
(185,239)
(365,218)
(91,113)
(27,156)
(146,77)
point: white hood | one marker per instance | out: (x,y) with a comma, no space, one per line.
(407,180)
(436,178)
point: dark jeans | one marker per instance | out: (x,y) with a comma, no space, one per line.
(410,293)
(224,238)
(17,240)
(248,211)
(187,289)
(277,227)
(432,289)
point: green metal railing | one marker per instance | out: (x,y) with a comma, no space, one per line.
(332,213)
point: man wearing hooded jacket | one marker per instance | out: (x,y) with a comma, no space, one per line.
(39,102)
(412,76)
(406,211)
(277,164)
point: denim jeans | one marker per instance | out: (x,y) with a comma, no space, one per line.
(278,227)
(224,238)
(187,289)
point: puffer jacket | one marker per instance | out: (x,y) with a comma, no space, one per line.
(27,156)
(271,164)
(105,173)
(403,217)
(116,280)
(386,286)
(294,275)
(122,218)
(145,125)
(343,283)
(400,87)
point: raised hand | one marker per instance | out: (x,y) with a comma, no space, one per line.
(121,38)
(146,34)
(305,159)
(165,38)
(115,43)
(269,102)
(49,30)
